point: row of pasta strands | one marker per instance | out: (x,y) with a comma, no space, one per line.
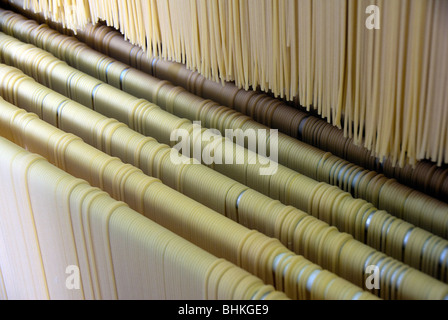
(386,194)
(425,176)
(323,201)
(369,81)
(421,210)
(120,253)
(249,249)
(305,234)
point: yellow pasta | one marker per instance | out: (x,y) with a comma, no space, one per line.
(330,85)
